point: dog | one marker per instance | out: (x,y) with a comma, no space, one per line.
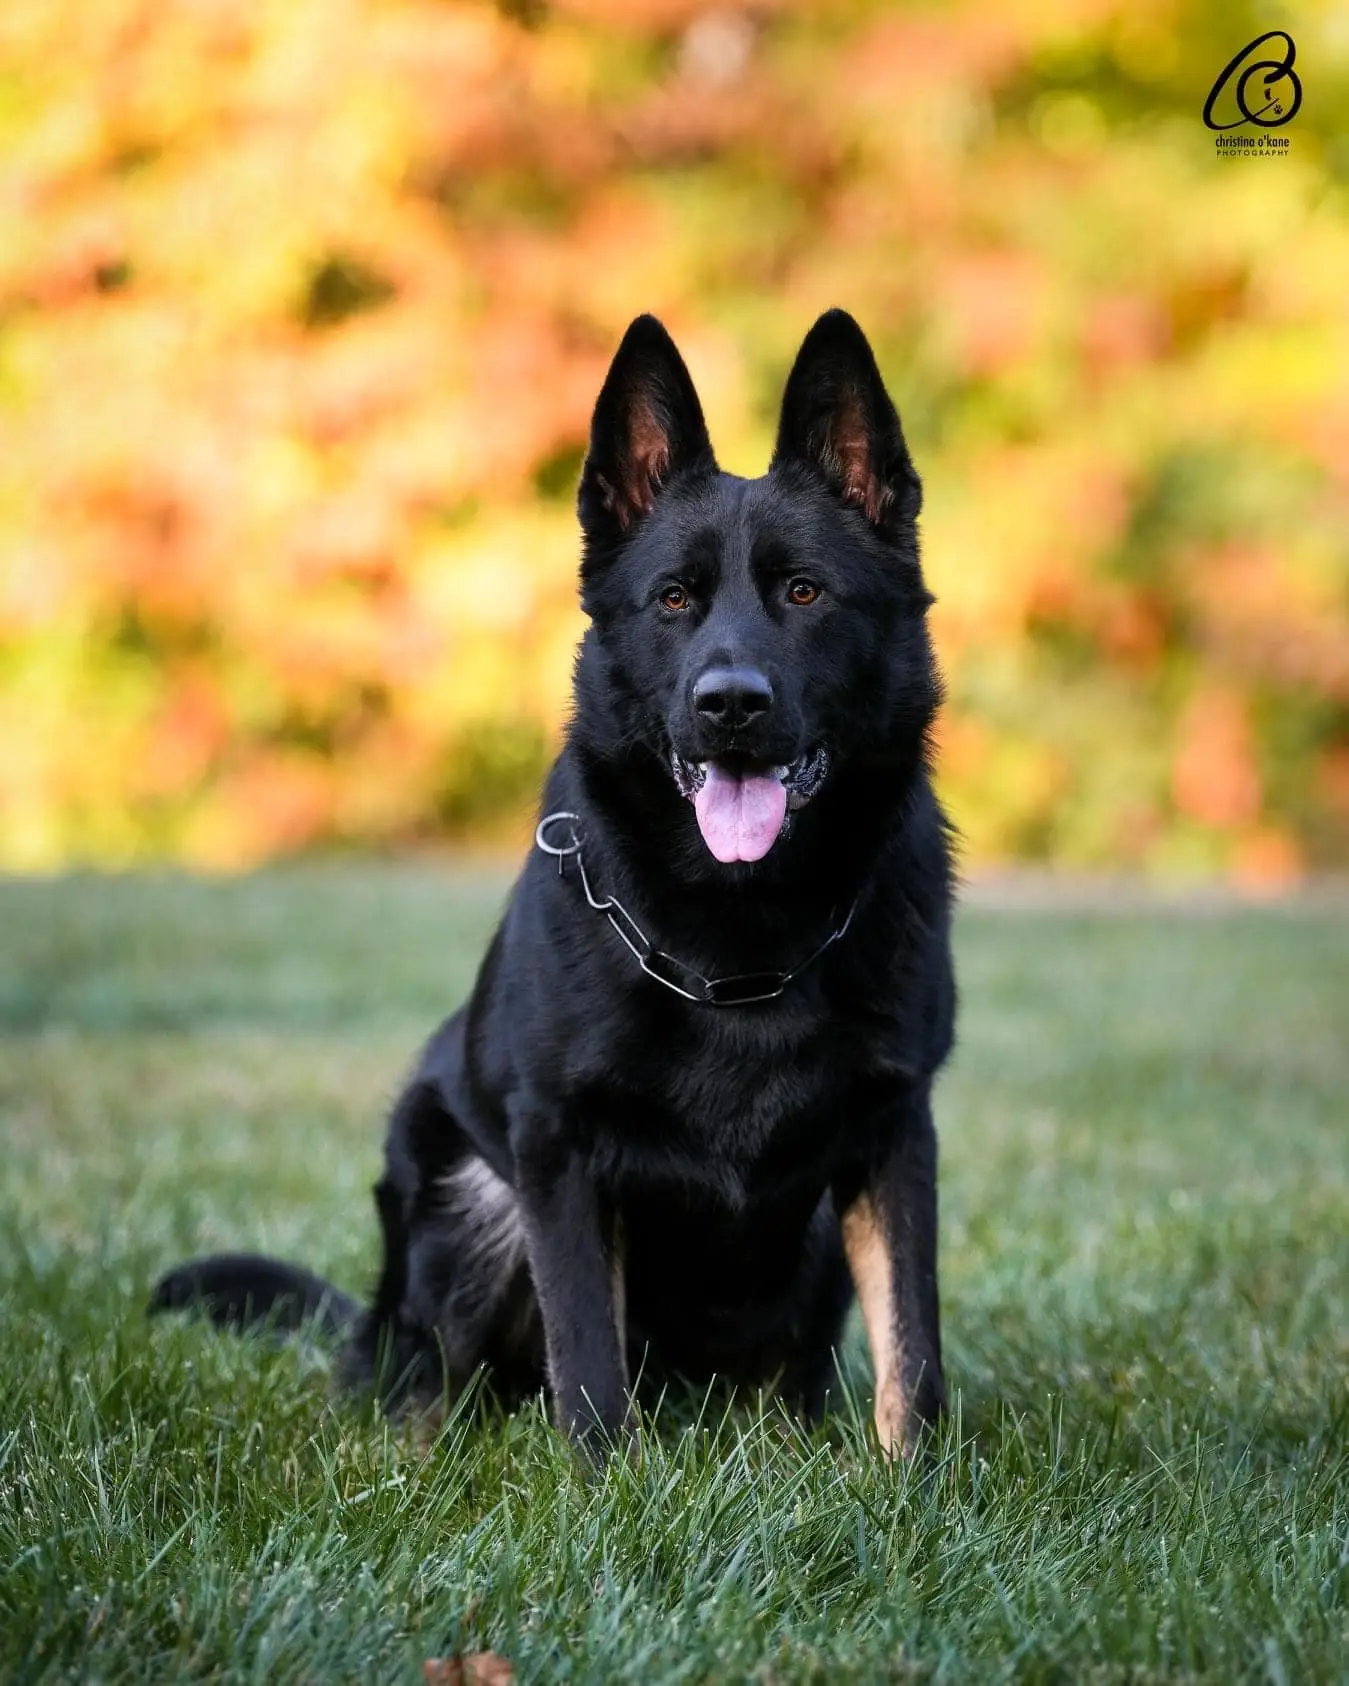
(685,1113)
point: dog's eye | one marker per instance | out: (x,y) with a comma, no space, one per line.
(802,593)
(674,597)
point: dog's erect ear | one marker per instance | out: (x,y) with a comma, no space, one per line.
(648,426)
(837,416)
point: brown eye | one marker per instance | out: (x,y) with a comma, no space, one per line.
(674,597)
(802,593)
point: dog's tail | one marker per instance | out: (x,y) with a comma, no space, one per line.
(236,1290)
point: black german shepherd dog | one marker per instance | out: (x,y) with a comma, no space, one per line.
(686,1110)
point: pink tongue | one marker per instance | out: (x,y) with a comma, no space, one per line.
(740,818)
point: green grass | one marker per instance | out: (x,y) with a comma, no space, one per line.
(1146,1281)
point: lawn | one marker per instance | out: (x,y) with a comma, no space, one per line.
(1145,1265)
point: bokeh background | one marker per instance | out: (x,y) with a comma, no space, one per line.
(303,305)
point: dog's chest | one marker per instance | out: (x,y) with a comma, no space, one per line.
(731,1103)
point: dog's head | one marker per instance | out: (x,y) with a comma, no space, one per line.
(755,636)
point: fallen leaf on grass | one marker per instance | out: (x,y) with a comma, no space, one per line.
(481,1668)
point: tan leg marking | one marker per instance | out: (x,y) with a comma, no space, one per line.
(872,1273)
(618,1279)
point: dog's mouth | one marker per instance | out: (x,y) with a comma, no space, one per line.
(743,807)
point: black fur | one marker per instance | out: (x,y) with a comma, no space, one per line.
(588,1174)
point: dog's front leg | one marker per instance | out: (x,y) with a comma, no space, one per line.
(889,1228)
(573,1242)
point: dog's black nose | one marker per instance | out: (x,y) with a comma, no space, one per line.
(731,696)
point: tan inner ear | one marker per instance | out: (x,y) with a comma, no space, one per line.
(644,464)
(849,449)
(648,457)
(873,1276)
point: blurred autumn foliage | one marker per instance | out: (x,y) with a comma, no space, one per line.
(303,305)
